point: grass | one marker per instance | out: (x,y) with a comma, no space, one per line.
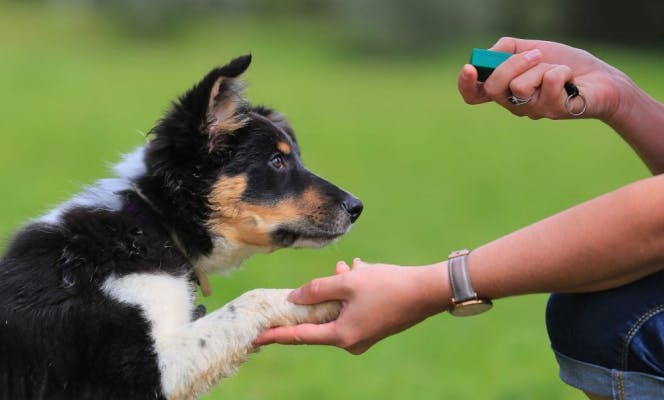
(434,174)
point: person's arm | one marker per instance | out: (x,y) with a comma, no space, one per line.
(606,242)
(540,68)
(640,122)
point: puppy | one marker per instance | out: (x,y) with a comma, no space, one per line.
(97,296)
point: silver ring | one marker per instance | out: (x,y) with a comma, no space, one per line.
(568,106)
(518,101)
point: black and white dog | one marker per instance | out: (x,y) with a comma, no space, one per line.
(97,297)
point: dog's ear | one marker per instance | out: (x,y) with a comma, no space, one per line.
(216,104)
(226,106)
(198,120)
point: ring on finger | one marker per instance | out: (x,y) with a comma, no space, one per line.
(518,101)
(580,110)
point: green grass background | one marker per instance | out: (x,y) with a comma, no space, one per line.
(434,174)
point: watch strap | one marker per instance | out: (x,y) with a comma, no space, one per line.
(457,267)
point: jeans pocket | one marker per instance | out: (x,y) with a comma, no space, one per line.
(643,345)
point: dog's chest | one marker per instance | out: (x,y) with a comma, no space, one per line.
(166,301)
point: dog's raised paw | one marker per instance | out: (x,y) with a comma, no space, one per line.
(276,310)
(323,312)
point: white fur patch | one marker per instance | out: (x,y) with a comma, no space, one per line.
(100,196)
(193,356)
(132,165)
(103,195)
(166,301)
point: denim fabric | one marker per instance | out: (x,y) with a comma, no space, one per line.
(611,383)
(611,339)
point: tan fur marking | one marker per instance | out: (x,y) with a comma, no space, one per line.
(248,223)
(222,116)
(214,92)
(284,147)
(311,199)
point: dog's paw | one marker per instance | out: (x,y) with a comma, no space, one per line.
(321,313)
(276,310)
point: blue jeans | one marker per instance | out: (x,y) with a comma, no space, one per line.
(611,343)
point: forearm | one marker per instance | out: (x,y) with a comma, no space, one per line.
(606,242)
(639,120)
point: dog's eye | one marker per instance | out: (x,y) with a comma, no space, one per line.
(277,162)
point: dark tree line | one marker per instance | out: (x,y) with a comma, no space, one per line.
(416,25)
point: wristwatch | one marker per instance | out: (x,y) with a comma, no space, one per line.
(465,301)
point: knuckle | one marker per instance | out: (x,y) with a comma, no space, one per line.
(296,338)
(504,40)
(520,88)
(491,89)
(566,69)
(314,287)
(553,77)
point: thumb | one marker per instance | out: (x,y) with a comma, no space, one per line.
(319,290)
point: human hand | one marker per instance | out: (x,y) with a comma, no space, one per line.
(378,300)
(540,69)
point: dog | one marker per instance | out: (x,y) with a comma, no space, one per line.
(97,297)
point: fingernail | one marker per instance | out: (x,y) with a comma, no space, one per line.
(533,54)
(294,295)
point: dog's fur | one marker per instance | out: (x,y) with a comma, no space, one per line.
(97,297)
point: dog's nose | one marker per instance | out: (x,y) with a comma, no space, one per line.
(353,207)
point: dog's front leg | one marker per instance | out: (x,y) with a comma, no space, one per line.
(197,356)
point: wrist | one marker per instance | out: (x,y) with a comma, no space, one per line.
(465,300)
(628,97)
(433,287)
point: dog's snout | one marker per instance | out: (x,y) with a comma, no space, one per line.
(353,207)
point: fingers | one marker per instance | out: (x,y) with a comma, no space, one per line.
(526,84)
(324,334)
(328,288)
(553,93)
(515,45)
(525,76)
(471,92)
(320,290)
(532,76)
(545,85)
(357,263)
(299,334)
(341,268)
(497,84)
(526,56)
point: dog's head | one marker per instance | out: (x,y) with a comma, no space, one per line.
(233,170)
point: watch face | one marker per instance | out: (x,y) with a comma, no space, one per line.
(470,307)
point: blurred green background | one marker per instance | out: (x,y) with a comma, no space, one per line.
(370,88)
